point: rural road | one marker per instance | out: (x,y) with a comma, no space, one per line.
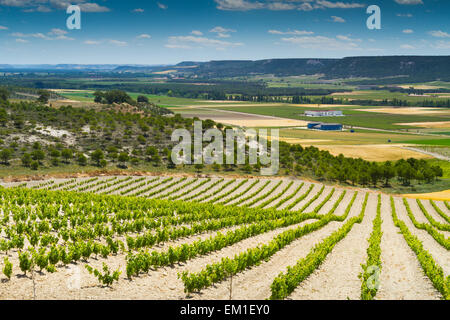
(436,155)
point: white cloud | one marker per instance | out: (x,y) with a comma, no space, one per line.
(279,6)
(92,42)
(238,5)
(222,32)
(144,36)
(197,33)
(442,45)
(162,6)
(439,34)
(409,2)
(408,31)
(407,47)
(3,28)
(47,5)
(323,43)
(293,32)
(138,10)
(337,5)
(405,15)
(118,43)
(189,42)
(338,19)
(276,5)
(22,41)
(54,34)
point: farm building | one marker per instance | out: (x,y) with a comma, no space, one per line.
(324,113)
(325,126)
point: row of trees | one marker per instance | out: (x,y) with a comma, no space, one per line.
(323,165)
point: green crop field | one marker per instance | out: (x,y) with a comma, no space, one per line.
(433,142)
(352,117)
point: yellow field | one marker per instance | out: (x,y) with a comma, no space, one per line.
(331,106)
(377,152)
(420,87)
(405,111)
(428,125)
(443,195)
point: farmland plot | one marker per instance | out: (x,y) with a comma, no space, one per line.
(216,238)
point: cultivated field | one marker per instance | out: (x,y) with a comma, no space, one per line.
(216,238)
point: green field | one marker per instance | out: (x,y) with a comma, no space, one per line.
(352,117)
(432,142)
(359,137)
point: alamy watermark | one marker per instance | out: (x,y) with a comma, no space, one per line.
(374,21)
(238,145)
(74,20)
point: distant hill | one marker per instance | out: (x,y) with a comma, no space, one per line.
(390,69)
(421,68)
(430,68)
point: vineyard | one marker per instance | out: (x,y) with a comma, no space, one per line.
(170,237)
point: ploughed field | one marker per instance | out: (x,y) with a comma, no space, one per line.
(218,238)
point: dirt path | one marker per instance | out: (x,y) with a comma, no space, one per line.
(436,155)
(439,253)
(337,277)
(432,212)
(288,193)
(321,198)
(402,277)
(330,203)
(275,193)
(421,217)
(254,284)
(299,194)
(311,195)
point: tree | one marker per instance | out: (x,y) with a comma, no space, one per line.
(103,163)
(38,155)
(5,155)
(81,159)
(123,158)
(3,117)
(375,174)
(44,96)
(97,156)
(34,165)
(26,160)
(4,94)
(438,172)
(98,97)
(67,154)
(36,146)
(141,139)
(142,99)
(387,172)
(198,167)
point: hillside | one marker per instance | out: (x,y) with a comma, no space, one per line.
(420,68)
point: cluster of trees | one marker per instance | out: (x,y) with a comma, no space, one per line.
(321,164)
(93,137)
(113,96)
(368,102)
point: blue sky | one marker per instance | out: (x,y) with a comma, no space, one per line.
(171,31)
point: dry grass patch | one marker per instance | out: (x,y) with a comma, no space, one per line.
(405,111)
(438,196)
(428,125)
(373,152)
